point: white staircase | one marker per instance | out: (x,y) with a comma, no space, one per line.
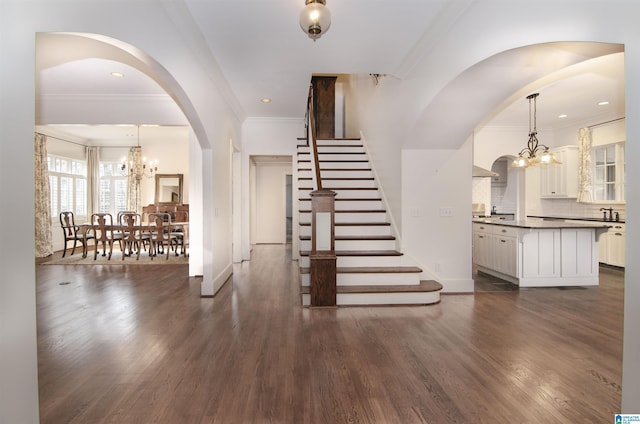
(370,269)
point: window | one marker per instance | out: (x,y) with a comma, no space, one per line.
(113,189)
(68,185)
(608,172)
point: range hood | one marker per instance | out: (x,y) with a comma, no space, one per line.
(481,172)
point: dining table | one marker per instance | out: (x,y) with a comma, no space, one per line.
(133,236)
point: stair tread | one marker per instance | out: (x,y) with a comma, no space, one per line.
(338,153)
(350,211)
(357,237)
(371,270)
(342,160)
(357,224)
(323,144)
(341,188)
(350,199)
(345,169)
(425,286)
(360,253)
(347,178)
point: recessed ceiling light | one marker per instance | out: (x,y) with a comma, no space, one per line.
(603,103)
(117,74)
(265,100)
(562,116)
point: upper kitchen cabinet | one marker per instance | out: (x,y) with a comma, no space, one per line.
(560,180)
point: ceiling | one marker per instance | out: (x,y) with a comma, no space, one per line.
(268,55)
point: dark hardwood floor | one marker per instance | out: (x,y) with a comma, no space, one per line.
(136,344)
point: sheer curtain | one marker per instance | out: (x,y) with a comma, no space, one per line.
(584,166)
(93,181)
(133,184)
(42,193)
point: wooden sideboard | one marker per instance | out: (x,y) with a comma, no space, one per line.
(177,212)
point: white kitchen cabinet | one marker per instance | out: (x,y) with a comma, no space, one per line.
(482,246)
(612,245)
(496,247)
(560,180)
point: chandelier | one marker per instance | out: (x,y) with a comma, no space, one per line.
(315,18)
(535,153)
(137,165)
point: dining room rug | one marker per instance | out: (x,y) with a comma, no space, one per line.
(116,259)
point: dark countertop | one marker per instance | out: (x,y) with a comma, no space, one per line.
(542,224)
(577,219)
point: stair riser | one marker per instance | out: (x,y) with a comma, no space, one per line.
(345,193)
(339,183)
(347,173)
(345,299)
(350,217)
(325,165)
(341,165)
(355,230)
(365,173)
(356,245)
(346,205)
(370,261)
(381,279)
(324,157)
(341,149)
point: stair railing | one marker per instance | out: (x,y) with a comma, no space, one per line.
(312,139)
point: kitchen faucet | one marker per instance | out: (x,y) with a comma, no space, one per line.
(604,215)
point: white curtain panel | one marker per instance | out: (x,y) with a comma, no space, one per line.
(134,163)
(42,194)
(584,166)
(93,180)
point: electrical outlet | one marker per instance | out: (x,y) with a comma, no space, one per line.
(446,211)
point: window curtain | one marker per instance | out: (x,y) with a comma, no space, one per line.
(584,166)
(42,194)
(93,181)
(134,161)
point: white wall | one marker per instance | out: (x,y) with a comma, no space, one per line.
(271,196)
(432,180)
(266,137)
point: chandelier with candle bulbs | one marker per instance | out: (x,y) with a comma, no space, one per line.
(137,167)
(535,153)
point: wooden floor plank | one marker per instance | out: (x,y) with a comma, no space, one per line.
(138,344)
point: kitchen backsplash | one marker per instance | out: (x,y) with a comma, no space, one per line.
(571,209)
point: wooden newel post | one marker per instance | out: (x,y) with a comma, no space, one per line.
(323,254)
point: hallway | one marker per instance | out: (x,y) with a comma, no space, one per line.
(134,343)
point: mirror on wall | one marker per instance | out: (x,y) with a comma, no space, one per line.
(168,189)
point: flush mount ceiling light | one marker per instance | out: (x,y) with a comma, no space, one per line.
(315,18)
(535,153)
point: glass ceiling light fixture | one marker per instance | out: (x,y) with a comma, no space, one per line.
(315,18)
(535,153)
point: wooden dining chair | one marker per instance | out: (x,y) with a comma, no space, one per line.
(102,224)
(73,233)
(161,235)
(179,231)
(130,235)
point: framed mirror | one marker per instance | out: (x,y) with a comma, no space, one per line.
(168,189)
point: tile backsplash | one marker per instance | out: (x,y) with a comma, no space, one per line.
(571,209)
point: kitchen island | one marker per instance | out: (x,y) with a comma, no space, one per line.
(538,253)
